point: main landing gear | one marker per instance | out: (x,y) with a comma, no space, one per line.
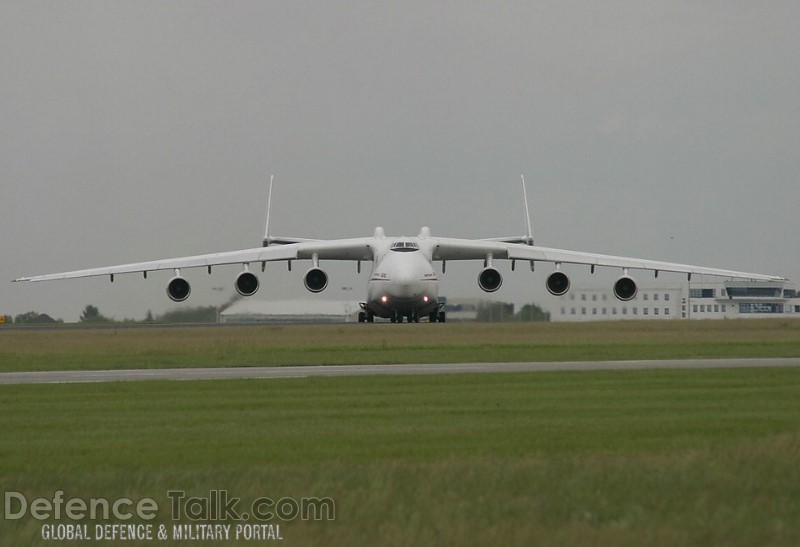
(366,317)
(397,316)
(435,316)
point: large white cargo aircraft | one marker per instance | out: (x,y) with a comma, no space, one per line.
(403,283)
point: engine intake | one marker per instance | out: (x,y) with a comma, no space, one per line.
(557,283)
(625,288)
(490,279)
(178,289)
(315,280)
(246,283)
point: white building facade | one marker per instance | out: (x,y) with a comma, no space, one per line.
(722,300)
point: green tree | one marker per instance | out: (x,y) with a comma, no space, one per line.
(495,312)
(34,318)
(91,314)
(532,312)
(27,317)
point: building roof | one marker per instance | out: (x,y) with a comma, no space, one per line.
(251,306)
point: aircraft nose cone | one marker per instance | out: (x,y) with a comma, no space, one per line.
(405,284)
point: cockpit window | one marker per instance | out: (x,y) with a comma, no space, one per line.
(405,246)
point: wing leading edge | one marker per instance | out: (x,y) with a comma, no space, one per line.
(466,249)
(341,249)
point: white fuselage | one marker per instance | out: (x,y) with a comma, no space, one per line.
(403,280)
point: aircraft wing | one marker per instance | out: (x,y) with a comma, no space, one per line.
(466,249)
(340,249)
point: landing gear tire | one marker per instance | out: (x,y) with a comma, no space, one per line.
(442,317)
(366,317)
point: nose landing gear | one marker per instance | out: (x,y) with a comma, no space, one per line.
(397,316)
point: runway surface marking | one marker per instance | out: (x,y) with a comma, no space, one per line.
(233,373)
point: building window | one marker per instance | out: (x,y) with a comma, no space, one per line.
(666,311)
(694,308)
(583,311)
(716,308)
(594,298)
(666,296)
(605,310)
(757,307)
(701,293)
(563,311)
(758,292)
(702,308)
(635,311)
(655,311)
(646,311)
(583,297)
(624,311)
(572,311)
(724,308)
(614,311)
(644,296)
(655,296)
(594,311)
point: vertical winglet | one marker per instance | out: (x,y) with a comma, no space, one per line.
(269,208)
(529,233)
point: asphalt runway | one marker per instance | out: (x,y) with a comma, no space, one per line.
(232,373)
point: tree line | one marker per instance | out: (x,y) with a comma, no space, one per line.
(91,314)
(488,312)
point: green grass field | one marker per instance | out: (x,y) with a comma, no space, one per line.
(656,457)
(79,349)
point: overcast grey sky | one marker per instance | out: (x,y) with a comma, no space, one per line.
(139,130)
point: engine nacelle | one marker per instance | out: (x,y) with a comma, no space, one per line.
(246,283)
(178,289)
(315,280)
(557,283)
(489,279)
(625,288)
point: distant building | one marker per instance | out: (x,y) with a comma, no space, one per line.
(248,310)
(458,310)
(721,300)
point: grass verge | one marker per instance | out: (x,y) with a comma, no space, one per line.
(662,457)
(86,349)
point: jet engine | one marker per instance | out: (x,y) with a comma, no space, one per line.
(489,279)
(315,280)
(557,283)
(178,289)
(246,283)
(625,288)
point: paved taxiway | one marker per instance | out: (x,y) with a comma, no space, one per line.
(372,370)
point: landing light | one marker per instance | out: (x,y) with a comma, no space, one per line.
(425,299)
(384,299)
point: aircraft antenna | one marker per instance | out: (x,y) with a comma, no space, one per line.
(529,234)
(269,208)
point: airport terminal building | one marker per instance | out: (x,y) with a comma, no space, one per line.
(719,300)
